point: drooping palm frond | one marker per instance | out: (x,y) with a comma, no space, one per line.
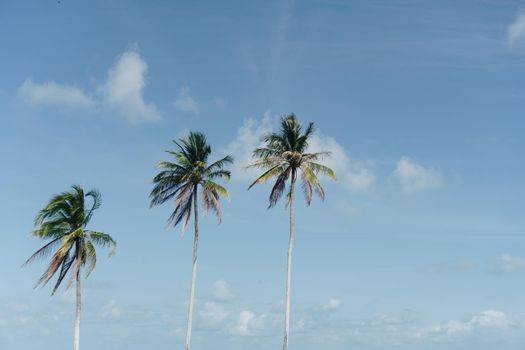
(102,240)
(180,178)
(63,221)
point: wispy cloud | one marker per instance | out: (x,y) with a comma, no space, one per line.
(516,30)
(185,102)
(414,177)
(406,331)
(482,321)
(222,291)
(281,32)
(124,89)
(52,94)
(110,311)
(507,263)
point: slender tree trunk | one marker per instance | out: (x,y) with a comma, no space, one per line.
(289,268)
(77,321)
(194,269)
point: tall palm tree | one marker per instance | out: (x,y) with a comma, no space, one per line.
(284,158)
(63,223)
(180,180)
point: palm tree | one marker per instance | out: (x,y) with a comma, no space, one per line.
(63,223)
(180,180)
(284,157)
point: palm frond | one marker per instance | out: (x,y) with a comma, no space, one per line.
(211,201)
(91,255)
(220,174)
(44,251)
(279,187)
(182,212)
(322,169)
(102,240)
(266,163)
(265,152)
(275,171)
(57,260)
(97,201)
(220,164)
(313,157)
(302,141)
(65,266)
(213,186)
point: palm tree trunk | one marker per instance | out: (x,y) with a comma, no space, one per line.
(77,321)
(194,269)
(289,268)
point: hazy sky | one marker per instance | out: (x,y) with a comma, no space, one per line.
(420,243)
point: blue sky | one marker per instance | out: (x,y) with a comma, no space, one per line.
(419,244)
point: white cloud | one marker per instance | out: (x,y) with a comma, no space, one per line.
(332,304)
(122,93)
(185,102)
(353,175)
(110,311)
(214,312)
(516,30)
(248,324)
(15,314)
(408,332)
(222,291)
(248,138)
(485,320)
(318,317)
(52,94)
(414,177)
(508,263)
(124,89)
(356,176)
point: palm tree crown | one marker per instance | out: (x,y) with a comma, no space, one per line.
(63,221)
(181,179)
(284,157)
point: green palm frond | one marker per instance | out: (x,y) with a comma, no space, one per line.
(103,240)
(267,175)
(91,256)
(266,162)
(97,201)
(322,169)
(220,164)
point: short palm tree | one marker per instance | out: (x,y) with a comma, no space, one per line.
(63,223)
(180,180)
(284,158)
